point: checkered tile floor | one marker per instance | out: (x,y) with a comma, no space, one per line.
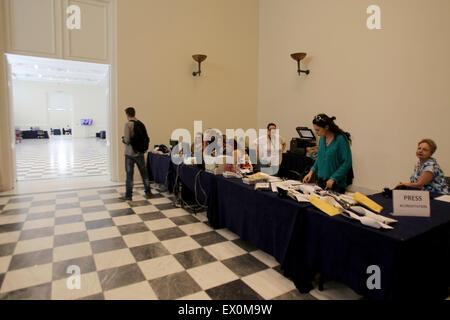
(145,249)
(61,157)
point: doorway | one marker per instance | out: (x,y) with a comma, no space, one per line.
(60,111)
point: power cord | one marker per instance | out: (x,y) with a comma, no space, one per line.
(197,181)
(180,202)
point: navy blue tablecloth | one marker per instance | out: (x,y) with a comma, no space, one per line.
(259,217)
(160,169)
(197,181)
(414,258)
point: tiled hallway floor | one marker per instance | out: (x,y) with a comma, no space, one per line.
(145,249)
(61,157)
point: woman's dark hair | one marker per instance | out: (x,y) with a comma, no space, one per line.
(322,120)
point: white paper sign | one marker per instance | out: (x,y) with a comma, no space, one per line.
(445,198)
(411,203)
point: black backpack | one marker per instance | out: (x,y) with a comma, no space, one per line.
(140,140)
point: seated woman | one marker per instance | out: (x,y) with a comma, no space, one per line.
(427,174)
(334,159)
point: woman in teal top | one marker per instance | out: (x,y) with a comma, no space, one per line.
(334,160)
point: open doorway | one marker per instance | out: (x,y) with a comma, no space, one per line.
(61,115)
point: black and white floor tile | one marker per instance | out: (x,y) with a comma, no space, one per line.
(61,157)
(145,249)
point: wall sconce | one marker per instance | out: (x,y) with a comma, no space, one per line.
(199,58)
(298,57)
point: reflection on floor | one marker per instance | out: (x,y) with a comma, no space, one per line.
(61,157)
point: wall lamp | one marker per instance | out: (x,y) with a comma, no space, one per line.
(198,58)
(298,57)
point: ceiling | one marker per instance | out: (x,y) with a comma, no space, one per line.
(56,71)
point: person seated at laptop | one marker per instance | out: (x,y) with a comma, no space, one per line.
(427,174)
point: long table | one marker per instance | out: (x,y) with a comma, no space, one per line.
(163,171)
(33,134)
(160,169)
(413,259)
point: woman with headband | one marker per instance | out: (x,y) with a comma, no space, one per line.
(334,160)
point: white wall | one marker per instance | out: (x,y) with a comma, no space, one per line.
(389,88)
(156,41)
(60,109)
(31,103)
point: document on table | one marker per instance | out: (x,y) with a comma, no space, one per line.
(445,198)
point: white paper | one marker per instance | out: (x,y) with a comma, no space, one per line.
(445,198)
(298,196)
(372,215)
(411,203)
(274,186)
(309,189)
(274,179)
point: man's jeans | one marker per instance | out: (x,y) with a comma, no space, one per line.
(129,168)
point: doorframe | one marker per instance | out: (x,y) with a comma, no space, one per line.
(112,129)
(10,182)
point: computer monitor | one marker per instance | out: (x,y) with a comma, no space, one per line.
(305,133)
(86,122)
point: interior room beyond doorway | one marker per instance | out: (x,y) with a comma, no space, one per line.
(60,117)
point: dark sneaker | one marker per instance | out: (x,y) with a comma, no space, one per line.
(148,195)
(126,198)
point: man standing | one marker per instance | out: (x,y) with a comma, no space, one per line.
(136,144)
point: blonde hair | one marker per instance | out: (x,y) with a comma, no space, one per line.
(431,143)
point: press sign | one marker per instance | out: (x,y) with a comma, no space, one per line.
(411,203)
